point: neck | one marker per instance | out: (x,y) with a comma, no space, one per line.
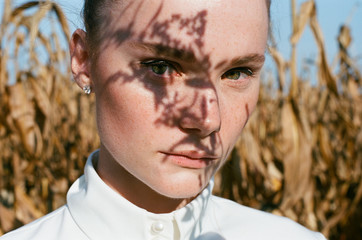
(131,188)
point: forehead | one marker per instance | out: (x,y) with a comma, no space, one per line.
(203,26)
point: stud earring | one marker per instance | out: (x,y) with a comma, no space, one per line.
(87,89)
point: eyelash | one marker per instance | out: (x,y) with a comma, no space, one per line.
(153,65)
(241,70)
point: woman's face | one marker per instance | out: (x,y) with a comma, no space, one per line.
(175,83)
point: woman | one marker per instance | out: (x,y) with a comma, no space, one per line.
(175,83)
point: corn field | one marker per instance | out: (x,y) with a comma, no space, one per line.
(299,156)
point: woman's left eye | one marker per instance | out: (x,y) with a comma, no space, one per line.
(159,67)
(237,74)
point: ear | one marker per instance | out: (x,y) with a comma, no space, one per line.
(80,59)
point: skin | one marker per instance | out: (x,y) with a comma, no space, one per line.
(172,101)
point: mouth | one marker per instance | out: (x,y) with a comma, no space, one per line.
(191,159)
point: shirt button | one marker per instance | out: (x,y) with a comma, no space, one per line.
(157,227)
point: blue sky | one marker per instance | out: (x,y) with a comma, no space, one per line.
(331,14)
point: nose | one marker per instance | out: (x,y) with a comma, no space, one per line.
(202,117)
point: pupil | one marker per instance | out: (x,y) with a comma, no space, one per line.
(159,69)
(234,75)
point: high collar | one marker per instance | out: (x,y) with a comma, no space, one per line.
(102,213)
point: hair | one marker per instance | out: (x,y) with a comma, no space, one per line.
(94,13)
(268,3)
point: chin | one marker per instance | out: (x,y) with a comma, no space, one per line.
(186,194)
(182,189)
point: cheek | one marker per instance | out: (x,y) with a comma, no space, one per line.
(237,109)
(252,100)
(122,112)
(110,118)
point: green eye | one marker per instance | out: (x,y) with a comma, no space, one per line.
(159,68)
(238,73)
(235,75)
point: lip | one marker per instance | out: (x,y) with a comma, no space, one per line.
(190,159)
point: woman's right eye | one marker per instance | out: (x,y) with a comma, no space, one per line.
(159,67)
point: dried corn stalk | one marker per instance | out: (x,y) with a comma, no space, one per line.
(47,127)
(299,156)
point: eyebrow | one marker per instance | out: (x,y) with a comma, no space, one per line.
(167,51)
(189,56)
(253,58)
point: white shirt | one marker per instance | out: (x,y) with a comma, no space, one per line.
(95,211)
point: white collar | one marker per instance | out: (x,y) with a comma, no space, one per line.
(102,213)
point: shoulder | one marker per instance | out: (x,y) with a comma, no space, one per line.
(233,218)
(54,225)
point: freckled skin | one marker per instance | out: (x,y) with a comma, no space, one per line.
(197,109)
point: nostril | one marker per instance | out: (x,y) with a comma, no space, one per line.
(212,100)
(202,117)
(203,121)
